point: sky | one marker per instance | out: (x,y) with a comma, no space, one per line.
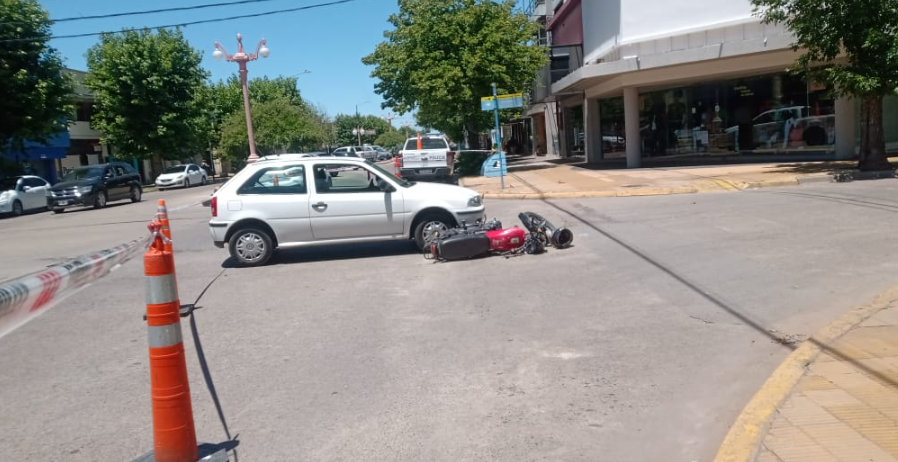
(329,42)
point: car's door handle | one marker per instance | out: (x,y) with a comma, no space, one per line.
(321,206)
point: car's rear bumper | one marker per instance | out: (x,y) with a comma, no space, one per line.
(218,230)
(425,173)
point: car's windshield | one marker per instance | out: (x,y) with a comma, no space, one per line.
(402,181)
(83,173)
(8,183)
(175,169)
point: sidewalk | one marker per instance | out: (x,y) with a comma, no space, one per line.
(840,406)
(535,178)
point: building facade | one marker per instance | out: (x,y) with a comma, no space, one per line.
(645,79)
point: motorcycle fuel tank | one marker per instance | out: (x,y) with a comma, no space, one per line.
(504,240)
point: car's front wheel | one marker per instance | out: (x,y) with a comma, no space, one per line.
(430,226)
(17,208)
(136,194)
(58,210)
(251,247)
(101,199)
(203,182)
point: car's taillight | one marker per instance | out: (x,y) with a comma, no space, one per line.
(214,205)
(400,160)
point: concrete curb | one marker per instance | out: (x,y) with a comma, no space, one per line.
(749,429)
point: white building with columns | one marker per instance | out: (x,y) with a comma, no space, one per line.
(650,79)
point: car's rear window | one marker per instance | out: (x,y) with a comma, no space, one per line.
(290,179)
(426,143)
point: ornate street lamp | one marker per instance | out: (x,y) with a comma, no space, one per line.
(241,59)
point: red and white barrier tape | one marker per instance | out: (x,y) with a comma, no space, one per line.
(25,298)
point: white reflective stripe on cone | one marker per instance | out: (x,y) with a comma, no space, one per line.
(164,336)
(161,289)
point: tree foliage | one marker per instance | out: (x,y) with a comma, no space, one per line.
(443,55)
(390,139)
(148,88)
(279,126)
(344,124)
(229,94)
(851,45)
(35,94)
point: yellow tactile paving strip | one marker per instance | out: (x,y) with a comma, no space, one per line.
(845,408)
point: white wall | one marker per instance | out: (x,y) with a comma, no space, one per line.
(607,22)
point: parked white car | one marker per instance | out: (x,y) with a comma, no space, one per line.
(181,176)
(295,202)
(20,194)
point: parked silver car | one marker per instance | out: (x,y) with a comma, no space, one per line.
(20,194)
(296,202)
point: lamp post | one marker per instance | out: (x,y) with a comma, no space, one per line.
(241,58)
(358,119)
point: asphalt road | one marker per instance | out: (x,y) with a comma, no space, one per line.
(642,342)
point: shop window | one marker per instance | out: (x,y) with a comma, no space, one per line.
(611,115)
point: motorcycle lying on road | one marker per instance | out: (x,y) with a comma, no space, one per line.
(490,238)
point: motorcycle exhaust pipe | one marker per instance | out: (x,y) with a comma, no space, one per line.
(560,238)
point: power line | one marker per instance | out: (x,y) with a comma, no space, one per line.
(161,10)
(143,12)
(184,24)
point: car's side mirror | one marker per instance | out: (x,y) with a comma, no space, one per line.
(384,186)
(26,188)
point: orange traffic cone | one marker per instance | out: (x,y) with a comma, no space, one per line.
(162,218)
(174,436)
(397,163)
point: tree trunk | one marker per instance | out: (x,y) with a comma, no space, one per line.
(472,140)
(156,165)
(873,146)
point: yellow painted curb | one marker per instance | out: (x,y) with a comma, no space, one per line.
(744,438)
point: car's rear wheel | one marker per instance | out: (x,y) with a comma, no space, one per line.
(101,200)
(58,210)
(251,247)
(430,226)
(203,182)
(136,194)
(17,208)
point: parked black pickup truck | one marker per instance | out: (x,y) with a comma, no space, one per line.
(95,185)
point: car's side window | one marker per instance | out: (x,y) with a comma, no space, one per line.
(290,179)
(109,172)
(34,182)
(119,170)
(349,178)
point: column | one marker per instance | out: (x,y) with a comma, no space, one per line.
(845,128)
(631,127)
(593,130)
(551,129)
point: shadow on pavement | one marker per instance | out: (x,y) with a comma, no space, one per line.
(296,255)
(787,341)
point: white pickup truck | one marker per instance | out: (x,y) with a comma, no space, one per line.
(431,162)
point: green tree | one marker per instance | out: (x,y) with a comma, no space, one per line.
(279,127)
(344,124)
(229,93)
(34,92)
(443,55)
(851,45)
(390,139)
(150,96)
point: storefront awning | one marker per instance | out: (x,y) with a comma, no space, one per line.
(57,147)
